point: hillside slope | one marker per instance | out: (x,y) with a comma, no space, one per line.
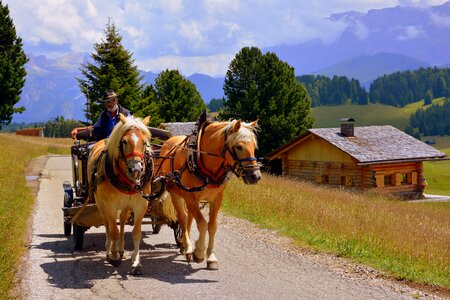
(364,115)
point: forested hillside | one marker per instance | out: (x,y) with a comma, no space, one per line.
(400,88)
(435,120)
(333,91)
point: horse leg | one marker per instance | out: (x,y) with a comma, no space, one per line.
(211,260)
(112,252)
(123,219)
(136,267)
(194,210)
(189,222)
(182,216)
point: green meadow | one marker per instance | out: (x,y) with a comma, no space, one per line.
(367,115)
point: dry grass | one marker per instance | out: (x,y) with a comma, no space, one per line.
(409,240)
(16,200)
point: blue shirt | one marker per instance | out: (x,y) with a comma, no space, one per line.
(106,122)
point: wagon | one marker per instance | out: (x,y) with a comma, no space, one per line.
(81,213)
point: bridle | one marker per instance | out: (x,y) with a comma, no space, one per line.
(238,168)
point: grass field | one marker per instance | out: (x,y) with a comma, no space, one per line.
(407,240)
(16,199)
(437,173)
(364,115)
(413,107)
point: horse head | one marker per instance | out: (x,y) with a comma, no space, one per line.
(129,146)
(241,144)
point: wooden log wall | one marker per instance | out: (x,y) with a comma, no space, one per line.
(31,132)
(361,177)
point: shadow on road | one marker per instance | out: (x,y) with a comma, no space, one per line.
(79,269)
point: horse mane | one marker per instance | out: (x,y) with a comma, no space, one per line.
(246,134)
(113,141)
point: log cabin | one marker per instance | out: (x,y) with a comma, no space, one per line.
(39,132)
(380,158)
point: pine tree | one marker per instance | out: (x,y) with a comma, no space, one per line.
(428,97)
(178,98)
(113,68)
(262,87)
(12,67)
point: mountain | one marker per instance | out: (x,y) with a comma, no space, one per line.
(51,88)
(420,33)
(368,67)
(209,87)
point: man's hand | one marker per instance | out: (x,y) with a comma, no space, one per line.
(74,133)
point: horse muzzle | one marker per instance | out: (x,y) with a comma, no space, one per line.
(251,176)
(135,168)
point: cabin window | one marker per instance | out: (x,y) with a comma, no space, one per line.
(346,180)
(406,179)
(388,180)
(322,178)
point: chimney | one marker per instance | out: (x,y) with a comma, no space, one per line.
(347,127)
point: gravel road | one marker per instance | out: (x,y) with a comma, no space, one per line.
(254,263)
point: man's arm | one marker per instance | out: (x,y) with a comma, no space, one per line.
(77,130)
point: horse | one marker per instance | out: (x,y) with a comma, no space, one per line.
(197,168)
(120,171)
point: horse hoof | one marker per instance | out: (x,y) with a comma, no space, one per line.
(114,263)
(197,259)
(212,265)
(136,271)
(188,257)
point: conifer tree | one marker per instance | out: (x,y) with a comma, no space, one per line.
(177,97)
(12,67)
(261,86)
(112,68)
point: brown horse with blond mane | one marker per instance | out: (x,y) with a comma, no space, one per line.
(120,170)
(198,168)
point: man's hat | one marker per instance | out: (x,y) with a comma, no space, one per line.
(108,96)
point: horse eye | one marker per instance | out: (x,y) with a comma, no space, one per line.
(239,148)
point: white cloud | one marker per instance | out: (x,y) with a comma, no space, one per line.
(410,32)
(213,65)
(171,32)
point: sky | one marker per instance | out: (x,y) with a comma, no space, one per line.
(192,36)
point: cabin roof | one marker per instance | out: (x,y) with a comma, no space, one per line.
(371,144)
(178,128)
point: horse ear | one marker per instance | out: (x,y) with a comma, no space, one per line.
(254,123)
(237,126)
(146,120)
(123,119)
